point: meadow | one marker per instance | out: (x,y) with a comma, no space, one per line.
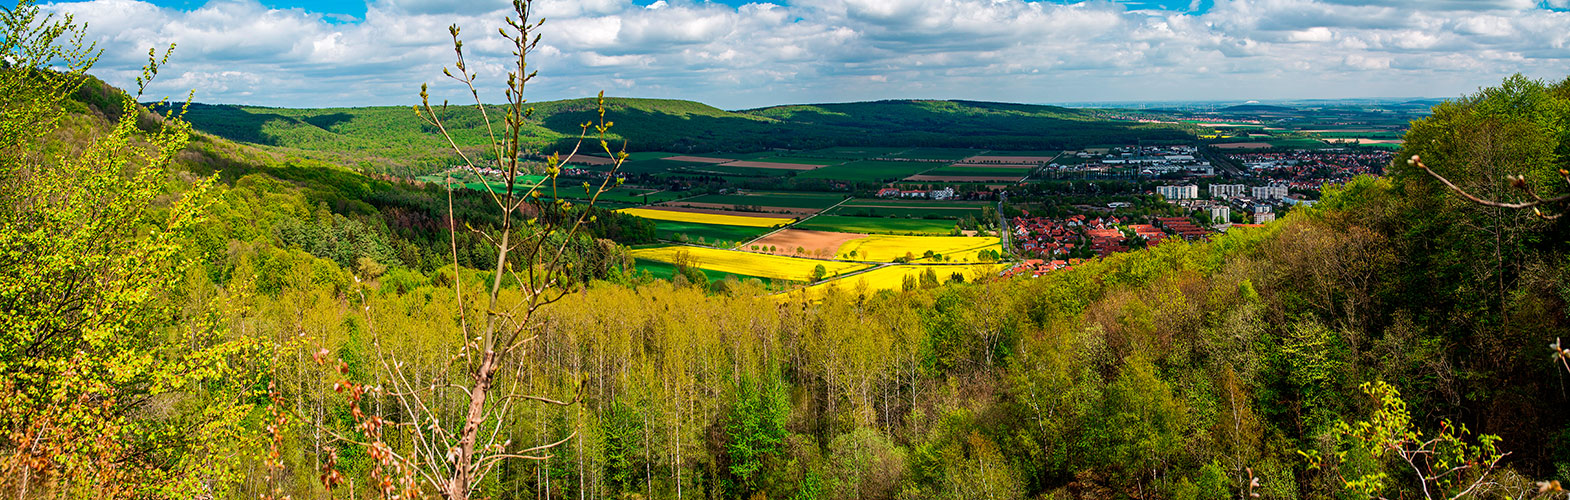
(786,200)
(748,264)
(706,234)
(871,170)
(870,225)
(895,209)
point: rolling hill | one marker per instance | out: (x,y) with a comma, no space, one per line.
(393,138)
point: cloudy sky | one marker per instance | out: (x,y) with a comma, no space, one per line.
(738,54)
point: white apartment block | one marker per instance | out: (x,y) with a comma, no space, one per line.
(1271,192)
(1178,192)
(1220,214)
(1227,190)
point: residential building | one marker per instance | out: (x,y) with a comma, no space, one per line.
(1228,190)
(1220,214)
(1274,191)
(1178,192)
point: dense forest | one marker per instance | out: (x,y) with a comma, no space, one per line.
(183,316)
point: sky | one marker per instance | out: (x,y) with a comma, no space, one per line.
(742,54)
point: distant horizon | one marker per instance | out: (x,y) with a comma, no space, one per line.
(741,55)
(1063,104)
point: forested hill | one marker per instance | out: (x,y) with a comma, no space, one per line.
(383,136)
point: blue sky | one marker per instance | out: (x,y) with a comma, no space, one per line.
(357,8)
(736,54)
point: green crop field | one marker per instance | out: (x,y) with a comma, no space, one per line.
(626,196)
(846,224)
(739,171)
(1024,153)
(787,200)
(910,209)
(871,170)
(906,212)
(707,234)
(1297,143)
(797,160)
(665,270)
(861,151)
(1005,173)
(940,153)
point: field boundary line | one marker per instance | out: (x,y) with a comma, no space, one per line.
(793,224)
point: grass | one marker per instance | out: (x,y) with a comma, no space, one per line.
(874,209)
(1001,173)
(870,171)
(792,200)
(748,264)
(796,160)
(707,234)
(869,225)
(885,248)
(633,197)
(940,153)
(707,219)
(665,271)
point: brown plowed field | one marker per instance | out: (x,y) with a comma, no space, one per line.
(960,178)
(726,208)
(698,159)
(817,243)
(583,159)
(766,164)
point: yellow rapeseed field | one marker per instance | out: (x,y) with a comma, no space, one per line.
(749,264)
(893,278)
(885,248)
(723,220)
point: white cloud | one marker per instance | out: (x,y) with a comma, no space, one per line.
(826,50)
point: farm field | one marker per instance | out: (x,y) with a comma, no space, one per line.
(862,151)
(892,278)
(747,263)
(1001,179)
(787,200)
(707,219)
(845,224)
(706,234)
(732,169)
(875,208)
(799,160)
(871,170)
(666,270)
(939,153)
(800,241)
(802,167)
(979,171)
(622,195)
(886,248)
